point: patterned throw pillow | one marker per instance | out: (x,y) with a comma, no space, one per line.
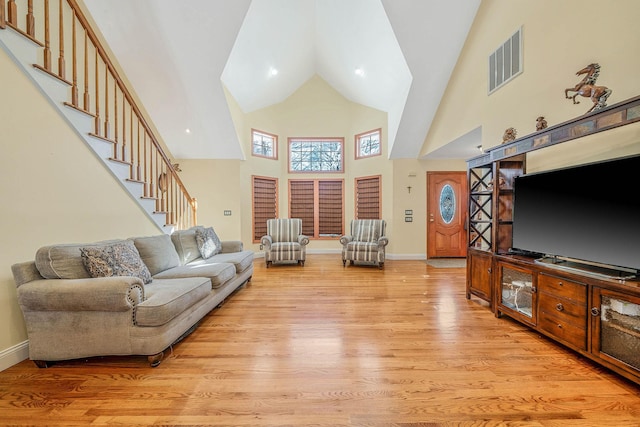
(208,242)
(119,259)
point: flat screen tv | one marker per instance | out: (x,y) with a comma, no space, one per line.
(586,213)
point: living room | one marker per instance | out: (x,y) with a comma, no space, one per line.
(56,191)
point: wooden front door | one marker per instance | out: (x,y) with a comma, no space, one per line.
(446,214)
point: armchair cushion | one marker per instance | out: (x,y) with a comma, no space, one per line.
(367,233)
(284,229)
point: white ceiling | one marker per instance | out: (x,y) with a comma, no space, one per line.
(179,56)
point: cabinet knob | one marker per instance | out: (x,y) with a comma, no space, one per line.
(595,311)
(559,306)
(559,326)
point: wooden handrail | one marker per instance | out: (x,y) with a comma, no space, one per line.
(134,141)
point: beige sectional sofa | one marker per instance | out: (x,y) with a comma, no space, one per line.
(134,296)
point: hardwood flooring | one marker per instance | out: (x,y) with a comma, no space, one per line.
(324,345)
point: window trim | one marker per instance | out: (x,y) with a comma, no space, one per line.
(339,140)
(275,144)
(357,145)
(253,205)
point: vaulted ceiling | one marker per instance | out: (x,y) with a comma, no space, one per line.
(392,55)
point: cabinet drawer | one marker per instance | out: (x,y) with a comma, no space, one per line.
(563,288)
(563,330)
(562,309)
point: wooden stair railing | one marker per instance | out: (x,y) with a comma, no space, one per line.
(57,24)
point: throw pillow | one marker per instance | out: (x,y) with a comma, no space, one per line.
(119,259)
(208,242)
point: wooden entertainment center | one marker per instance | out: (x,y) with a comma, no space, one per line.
(577,305)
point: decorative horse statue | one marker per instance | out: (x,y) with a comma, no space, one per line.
(587,88)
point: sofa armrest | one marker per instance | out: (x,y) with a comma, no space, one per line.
(303,240)
(231,246)
(266,241)
(114,294)
(383,241)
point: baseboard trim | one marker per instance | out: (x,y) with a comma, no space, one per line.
(14,355)
(409,257)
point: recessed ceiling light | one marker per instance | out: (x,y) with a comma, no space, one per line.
(187,130)
(359,72)
(273,72)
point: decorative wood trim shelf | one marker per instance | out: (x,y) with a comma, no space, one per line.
(620,114)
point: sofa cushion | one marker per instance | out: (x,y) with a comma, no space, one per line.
(218,273)
(241,260)
(65,261)
(118,259)
(208,242)
(166,299)
(157,252)
(186,245)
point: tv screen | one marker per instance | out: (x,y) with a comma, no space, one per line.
(589,212)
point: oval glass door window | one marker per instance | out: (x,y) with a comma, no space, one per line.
(447,203)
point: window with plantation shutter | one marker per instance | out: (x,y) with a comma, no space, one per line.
(368,197)
(265,204)
(320,205)
(330,206)
(302,204)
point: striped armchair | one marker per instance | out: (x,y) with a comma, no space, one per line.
(284,241)
(366,243)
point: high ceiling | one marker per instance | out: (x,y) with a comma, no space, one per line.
(392,55)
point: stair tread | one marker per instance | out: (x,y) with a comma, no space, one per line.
(82,110)
(103,138)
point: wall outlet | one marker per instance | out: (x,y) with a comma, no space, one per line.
(227,212)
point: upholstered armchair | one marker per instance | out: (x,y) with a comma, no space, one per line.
(284,241)
(366,243)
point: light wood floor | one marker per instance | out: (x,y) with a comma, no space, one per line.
(323,345)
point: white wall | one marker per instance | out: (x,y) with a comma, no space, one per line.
(560,38)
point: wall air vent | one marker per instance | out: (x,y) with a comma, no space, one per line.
(506,62)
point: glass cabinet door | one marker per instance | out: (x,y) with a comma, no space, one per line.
(516,293)
(616,335)
(481,207)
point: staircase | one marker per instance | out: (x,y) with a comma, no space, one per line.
(95,102)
